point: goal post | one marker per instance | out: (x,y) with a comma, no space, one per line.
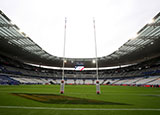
(64,60)
(97,76)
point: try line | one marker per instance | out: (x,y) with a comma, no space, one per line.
(81,109)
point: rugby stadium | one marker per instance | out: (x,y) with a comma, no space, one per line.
(127,80)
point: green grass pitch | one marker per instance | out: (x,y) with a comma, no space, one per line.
(78,100)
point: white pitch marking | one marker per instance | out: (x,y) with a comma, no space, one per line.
(82,109)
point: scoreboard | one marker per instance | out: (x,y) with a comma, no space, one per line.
(79,66)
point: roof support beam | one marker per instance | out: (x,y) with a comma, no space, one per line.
(108,57)
(123,51)
(28,45)
(114,55)
(7,25)
(154,24)
(50,57)
(45,55)
(13,37)
(148,37)
(120,53)
(37,51)
(132,45)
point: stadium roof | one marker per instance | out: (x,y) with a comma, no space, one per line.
(18,45)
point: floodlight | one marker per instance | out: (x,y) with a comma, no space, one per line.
(152,43)
(93,61)
(151,21)
(65,61)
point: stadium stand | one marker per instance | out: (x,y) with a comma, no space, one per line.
(14,73)
(6,80)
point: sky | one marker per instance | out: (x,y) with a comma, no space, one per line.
(116,22)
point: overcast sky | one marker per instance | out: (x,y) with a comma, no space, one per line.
(116,22)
